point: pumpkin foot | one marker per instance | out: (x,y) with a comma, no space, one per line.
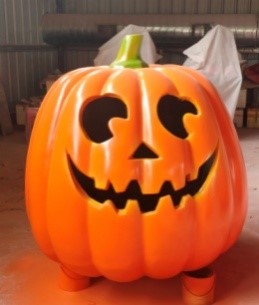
(198,286)
(71,281)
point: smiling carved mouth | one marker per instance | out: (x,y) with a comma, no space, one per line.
(147,202)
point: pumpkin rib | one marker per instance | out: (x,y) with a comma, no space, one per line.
(92,76)
(35,183)
(35,189)
(190,90)
(125,228)
(235,156)
(213,234)
(229,136)
(153,129)
(167,257)
(215,106)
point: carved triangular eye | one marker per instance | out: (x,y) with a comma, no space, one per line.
(171,111)
(98,113)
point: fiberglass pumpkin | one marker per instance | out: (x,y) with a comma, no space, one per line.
(134,171)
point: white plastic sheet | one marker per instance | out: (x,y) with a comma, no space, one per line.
(108,51)
(216,56)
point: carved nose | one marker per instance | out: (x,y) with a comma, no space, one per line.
(144,152)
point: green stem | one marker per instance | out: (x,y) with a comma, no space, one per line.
(129,53)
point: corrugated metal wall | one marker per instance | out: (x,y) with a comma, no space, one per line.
(162,6)
(25,60)
(22,71)
(20,20)
(77,57)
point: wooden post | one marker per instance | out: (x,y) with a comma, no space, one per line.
(5,119)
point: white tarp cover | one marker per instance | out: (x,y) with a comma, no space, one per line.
(216,57)
(108,51)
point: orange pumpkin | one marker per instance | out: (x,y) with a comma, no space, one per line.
(134,171)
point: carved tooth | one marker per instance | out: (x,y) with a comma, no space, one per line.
(178,180)
(193,175)
(132,207)
(101,183)
(107,205)
(150,186)
(165,205)
(120,185)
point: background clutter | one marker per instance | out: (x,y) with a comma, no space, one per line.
(216,56)
(107,52)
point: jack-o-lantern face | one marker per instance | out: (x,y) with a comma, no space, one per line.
(170,113)
(134,172)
